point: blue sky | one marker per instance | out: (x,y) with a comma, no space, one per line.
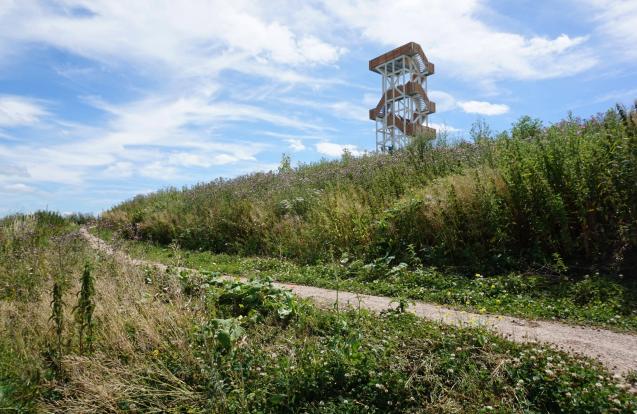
(104,99)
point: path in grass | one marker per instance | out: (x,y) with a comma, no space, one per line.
(617,351)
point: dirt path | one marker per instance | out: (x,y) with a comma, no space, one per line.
(617,351)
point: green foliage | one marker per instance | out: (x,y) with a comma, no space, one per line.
(225,333)
(57,318)
(301,213)
(84,310)
(516,201)
(256,299)
(356,362)
(203,343)
(597,299)
(323,361)
(286,164)
(23,239)
(34,262)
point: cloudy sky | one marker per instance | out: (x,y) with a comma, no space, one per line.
(104,99)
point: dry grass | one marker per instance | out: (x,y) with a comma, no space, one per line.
(138,313)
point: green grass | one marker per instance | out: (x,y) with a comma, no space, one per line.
(188,342)
(325,361)
(594,300)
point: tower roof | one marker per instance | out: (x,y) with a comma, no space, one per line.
(408,49)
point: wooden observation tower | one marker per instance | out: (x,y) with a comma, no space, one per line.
(403,109)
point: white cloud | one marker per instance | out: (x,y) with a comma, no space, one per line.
(625,95)
(336,150)
(483,108)
(444,127)
(194,39)
(444,101)
(295,144)
(118,169)
(8,169)
(447,102)
(616,20)
(339,109)
(19,188)
(188,159)
(453,34)
(158,171)
(19,111)
(159,137)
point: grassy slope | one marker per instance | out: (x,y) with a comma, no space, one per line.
(560,198)
(595,300)
(185,343)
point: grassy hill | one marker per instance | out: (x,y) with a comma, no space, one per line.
(552,199)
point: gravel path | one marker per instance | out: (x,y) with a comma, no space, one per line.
(617,351)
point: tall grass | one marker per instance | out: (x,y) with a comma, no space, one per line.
(556,197)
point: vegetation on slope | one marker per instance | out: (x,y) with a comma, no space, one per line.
(593,299)
(83,334)
(551,199)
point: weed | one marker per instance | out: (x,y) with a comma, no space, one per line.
(57,317)
(84,311)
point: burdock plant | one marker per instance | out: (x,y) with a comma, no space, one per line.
(84,310)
